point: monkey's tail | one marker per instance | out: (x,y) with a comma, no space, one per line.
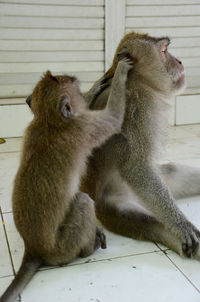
(27,269)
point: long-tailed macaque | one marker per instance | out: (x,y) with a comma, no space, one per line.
(56,221)
(125,166)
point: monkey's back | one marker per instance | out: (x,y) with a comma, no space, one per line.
(41,191)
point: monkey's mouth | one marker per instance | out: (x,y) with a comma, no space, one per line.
(180,77)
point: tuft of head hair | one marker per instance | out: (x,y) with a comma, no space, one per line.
(126,42)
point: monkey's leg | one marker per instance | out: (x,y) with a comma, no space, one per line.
(77,233)
(182,180)
(146,182)
(131,222)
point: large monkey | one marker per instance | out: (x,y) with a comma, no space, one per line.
(56,221)
(126,165)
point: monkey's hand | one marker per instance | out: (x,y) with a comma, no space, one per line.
(121,73)
(125,64)
(190,240)
(98,87)
(124,53)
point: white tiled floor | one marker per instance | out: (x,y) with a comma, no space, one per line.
(127,270)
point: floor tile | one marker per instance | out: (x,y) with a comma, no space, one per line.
(184,131)
(4,283)
(192,162)
(9,163)
(117,246)
(15,241)
(182,148)
(113,274)
(133,278)
(191,208)
(5,263)
(11,145)
(178,132)
(191,268)
(193,130)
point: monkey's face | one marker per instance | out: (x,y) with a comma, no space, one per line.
(174,66)
(56,98)
(153,63)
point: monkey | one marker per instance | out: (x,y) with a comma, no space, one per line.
(55,219)
(131,190)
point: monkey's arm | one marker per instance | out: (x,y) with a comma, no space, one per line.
(147,183)
(102,124)
(98,87)
(115,105)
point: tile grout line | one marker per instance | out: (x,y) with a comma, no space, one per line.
(9,250)
(7,212)
(165,252)
(183,273)
(6,276)
(90,261)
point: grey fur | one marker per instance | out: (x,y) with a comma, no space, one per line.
(126,166)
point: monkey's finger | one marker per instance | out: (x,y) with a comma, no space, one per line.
(129,61)
(190,246)
(123,54)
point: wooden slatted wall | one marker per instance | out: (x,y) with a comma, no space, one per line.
(65,36)
(179,19)
(79,37)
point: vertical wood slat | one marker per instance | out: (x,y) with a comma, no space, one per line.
(114,27)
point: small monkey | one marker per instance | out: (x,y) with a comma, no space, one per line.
(124,169)
(56,221)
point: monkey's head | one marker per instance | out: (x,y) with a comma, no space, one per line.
(153,64)
(56,98)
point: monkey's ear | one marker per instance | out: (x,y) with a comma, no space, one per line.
(28,100)
(49,75)
(163,43)
(66,108)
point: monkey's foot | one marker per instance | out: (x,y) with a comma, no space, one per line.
(100,239)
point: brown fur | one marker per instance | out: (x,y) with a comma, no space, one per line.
(124,171)
(55,220)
